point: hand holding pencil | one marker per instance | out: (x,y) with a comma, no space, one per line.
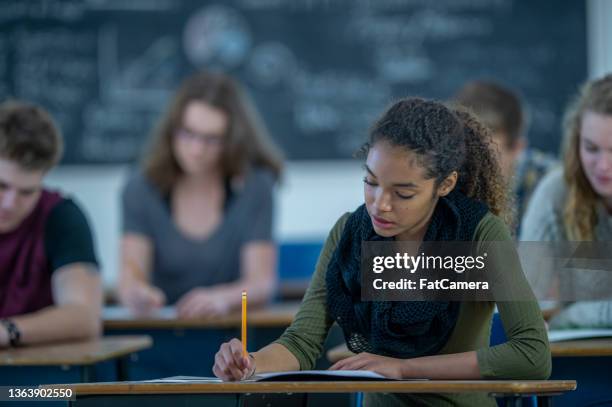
(231,365)
(233,362)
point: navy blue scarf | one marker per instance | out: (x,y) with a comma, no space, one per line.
(394,328)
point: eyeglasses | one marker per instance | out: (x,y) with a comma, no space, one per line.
(208,139)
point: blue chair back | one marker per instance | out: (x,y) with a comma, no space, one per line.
(498,336)
(297,260)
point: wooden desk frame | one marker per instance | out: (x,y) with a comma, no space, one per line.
(296,393)
(83,355)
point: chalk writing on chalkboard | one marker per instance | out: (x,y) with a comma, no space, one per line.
(320,71)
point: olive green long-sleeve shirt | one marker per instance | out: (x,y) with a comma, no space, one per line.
(526,354)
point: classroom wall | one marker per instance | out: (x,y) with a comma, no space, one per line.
(599,14)
(313,194)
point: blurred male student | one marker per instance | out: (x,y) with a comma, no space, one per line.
(501,110)
(50,288)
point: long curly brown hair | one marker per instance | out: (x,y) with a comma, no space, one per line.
(248,142)
(580,210)
(448,139)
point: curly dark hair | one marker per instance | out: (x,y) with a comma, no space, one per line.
(446,139)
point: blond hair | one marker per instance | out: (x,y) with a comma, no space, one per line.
(580,211)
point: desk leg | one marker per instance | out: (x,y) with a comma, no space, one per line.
(545,401)
(513,401)
(122,369)
(88,373)
(157,400)
(273,400)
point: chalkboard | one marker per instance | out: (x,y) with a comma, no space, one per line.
(320,71)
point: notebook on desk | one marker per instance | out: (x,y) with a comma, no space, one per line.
(291,376)
(318,376)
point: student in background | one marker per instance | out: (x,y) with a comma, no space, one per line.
(500,109)
(49,285)
(197,217)
(430,175)
(575,203)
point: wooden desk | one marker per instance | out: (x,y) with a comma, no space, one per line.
(283,393)
(83,355)
(585,360)
(588,361)
(582,347)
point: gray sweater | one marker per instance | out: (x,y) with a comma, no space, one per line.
(543,221)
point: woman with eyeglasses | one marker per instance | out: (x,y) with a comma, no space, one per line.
(197,216)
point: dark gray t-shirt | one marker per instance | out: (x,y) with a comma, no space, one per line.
(180,262)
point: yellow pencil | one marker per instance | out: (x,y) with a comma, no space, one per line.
(244,324)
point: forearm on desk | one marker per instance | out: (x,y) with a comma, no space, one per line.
(444,367)
(69,321)
(77,296)
(274,358)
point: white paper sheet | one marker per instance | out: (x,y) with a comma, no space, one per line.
(124,314)
(571,334)
(317,375)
